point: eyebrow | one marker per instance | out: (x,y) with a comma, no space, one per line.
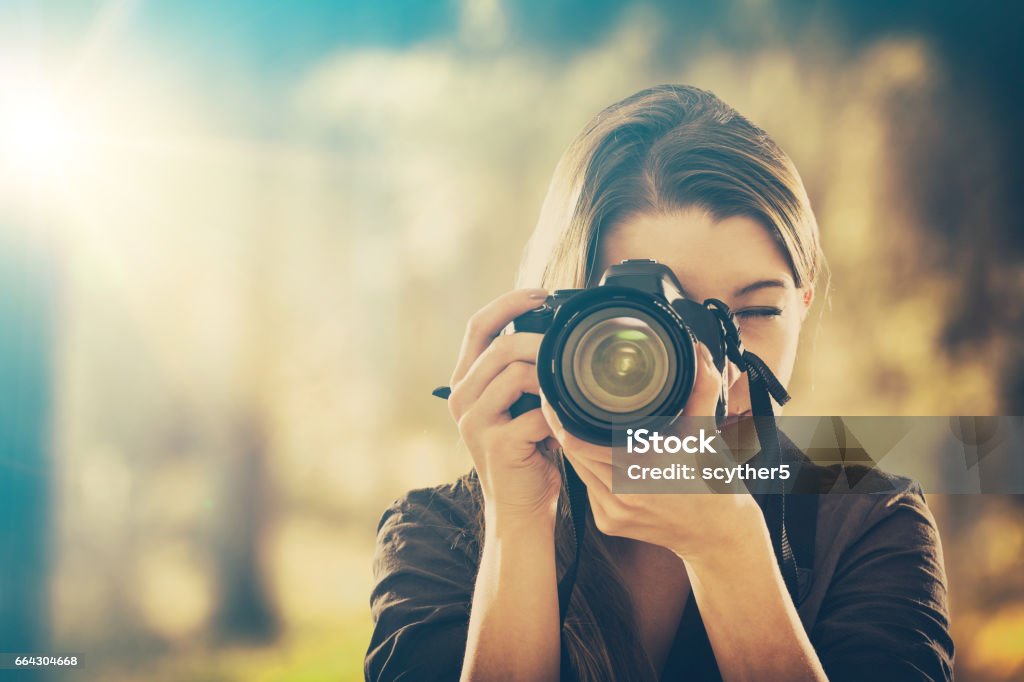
(760,284)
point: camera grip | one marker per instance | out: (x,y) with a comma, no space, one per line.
(525,403)
(536,321)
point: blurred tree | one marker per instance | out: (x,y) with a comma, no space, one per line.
(244,611)
(964,171)
(26,310)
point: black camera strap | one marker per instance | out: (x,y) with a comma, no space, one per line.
(763,387)
(576,492)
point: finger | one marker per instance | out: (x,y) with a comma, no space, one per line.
(505,349)
(590,478)
(529,427)
(707,386)
(564,438)
(599,470)
(549,447)
(488,322)
(598,494)
(582,448)
(516,379)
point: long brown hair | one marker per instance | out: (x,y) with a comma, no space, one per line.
(662,149)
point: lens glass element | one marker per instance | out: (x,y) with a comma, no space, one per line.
(621,364)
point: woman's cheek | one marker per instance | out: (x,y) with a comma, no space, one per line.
(774,340)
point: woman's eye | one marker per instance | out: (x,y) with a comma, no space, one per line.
(765,311)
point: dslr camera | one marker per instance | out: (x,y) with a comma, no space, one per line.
(623,353)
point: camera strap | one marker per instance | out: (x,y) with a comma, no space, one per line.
(576,492)
(764,386)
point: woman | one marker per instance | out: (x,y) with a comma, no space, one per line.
(669,586)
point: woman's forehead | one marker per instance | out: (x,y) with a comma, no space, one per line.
(710,257)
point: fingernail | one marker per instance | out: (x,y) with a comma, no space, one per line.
(537,294)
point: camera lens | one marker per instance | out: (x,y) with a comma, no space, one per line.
(620,354)
(620,364)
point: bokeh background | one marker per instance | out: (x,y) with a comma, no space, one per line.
(239,242)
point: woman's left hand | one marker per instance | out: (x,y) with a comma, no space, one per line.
(694,526)
(752,623)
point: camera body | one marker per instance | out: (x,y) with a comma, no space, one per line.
(623,352)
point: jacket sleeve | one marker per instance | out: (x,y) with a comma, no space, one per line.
(885,615)
(424,569)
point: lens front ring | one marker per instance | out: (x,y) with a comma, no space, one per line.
(579,413)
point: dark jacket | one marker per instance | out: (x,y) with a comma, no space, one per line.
(872,593)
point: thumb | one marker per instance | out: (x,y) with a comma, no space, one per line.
(707,386)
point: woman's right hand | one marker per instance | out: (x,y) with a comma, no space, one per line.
(519,480)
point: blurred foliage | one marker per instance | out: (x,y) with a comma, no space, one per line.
(267,248)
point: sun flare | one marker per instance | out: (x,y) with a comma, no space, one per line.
(39,137)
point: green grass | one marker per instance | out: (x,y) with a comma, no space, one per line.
(312,655)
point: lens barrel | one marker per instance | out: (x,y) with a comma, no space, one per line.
(616,356)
